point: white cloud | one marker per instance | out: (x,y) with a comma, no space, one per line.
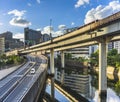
(61,27)
(38,29)
(17,13)
(81,2)
(29,4)
(111,96)
(19,22)
(48,29)
(18,19)
(38,1)
(72,24)
(19,36)
(1,24)
(58,33)
(101,12)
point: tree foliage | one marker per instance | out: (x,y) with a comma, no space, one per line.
(94,58)
(8,60)
(68,56)
(113,58)
(117,87)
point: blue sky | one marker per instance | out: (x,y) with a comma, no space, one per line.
(36,14)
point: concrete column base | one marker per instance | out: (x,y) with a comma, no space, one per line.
(103,96)
(52,90)
(51,75)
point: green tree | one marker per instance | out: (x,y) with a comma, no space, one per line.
(117,87)
(113,58)
(117,64)
(68,56)
(94,58)
(112,52)
(8,60)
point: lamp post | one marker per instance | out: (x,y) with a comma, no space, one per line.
(50,30)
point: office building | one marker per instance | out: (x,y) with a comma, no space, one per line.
(7,35)
(45,37)
(117,46)
(32,37)
(110,46)
(2,45)
(9,42)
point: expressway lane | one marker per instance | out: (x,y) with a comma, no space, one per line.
(10,76)
(17,93)
(16,85)
(20,90)
(12,80)
(6,87)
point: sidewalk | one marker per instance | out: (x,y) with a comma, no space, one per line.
(5,72)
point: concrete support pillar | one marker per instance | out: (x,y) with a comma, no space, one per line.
(62,59)
(102,71)
(52,61)
(35,52)
(52,74)
(62,65)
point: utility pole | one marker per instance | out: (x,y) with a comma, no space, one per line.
(50,30)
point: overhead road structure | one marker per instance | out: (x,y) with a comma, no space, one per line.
(86,35)
(99,32)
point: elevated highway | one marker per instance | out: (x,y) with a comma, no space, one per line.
(90,34)
(99,32)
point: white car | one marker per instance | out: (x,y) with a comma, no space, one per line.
(32,71)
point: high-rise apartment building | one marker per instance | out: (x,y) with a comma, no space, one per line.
(117,46)
(32,37)
(9,42)
(2,45)
(7,35)
(110,46)
(45,37)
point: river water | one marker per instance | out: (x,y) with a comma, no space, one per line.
(59,96)
(111,96)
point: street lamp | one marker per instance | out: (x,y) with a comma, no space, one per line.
(50,30)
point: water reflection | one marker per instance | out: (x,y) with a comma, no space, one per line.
(59,96)
(112,92)
(111,96)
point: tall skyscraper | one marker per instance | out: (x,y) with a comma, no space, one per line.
(2,45)
(117,46)
(32,37)
(8,42)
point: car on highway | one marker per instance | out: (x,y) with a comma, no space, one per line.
(32,71)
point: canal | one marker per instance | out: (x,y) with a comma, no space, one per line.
(58,95)
(113,91)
